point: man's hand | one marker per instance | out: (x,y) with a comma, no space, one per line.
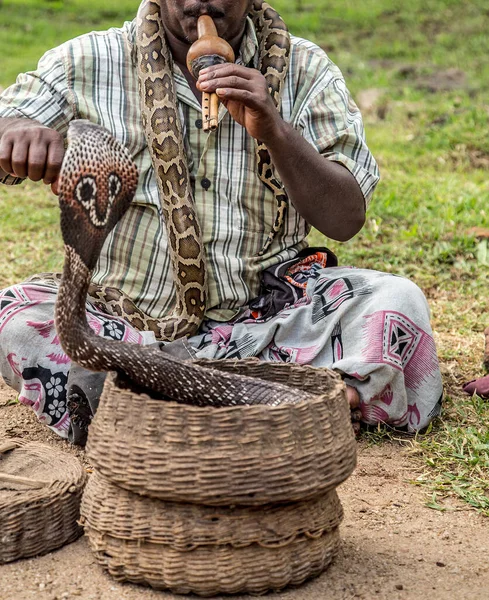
(29,149)
(244,92)
(353,398)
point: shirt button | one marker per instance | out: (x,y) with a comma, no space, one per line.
(198,123)
(205,183)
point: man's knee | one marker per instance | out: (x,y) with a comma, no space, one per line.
(403,291)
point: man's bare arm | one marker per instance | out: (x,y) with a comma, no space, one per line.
(30,150)
(323,192)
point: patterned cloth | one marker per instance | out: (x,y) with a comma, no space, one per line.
(94,77)
(371,327)
(31,358)
(284,284)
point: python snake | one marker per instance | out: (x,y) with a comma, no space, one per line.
(163,131)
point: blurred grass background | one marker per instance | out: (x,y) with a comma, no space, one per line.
(419,72)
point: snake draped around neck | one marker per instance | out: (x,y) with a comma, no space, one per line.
(164,136)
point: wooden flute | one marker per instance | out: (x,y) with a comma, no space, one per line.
(208,50)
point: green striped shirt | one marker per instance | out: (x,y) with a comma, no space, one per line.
(94,77)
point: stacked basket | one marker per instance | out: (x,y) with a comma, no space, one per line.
(40,494)
(228,500)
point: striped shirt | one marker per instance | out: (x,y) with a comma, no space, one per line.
(94,77)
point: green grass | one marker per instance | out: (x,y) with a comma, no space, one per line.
(30,27)
(457,458)
(29,233)
(429,129)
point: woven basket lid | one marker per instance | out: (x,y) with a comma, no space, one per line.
(40,494)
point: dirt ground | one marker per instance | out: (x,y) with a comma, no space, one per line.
(393,547)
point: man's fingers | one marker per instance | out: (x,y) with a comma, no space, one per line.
(226,70)
(353,397)
(6,155)
(31,150)
(55,187)
(243,96)
(36,161)
(54,159)
(20,152)
(231,81)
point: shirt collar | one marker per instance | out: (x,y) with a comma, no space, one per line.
(248,52)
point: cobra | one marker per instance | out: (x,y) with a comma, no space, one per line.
(90,207)
(98,180)
(164,136)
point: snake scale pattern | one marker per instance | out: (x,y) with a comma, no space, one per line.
(98,180)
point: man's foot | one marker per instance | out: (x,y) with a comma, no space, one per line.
(354,402)
(478,386)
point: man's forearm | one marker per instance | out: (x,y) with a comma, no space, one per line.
(322,191)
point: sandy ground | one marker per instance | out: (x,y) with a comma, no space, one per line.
(393,547)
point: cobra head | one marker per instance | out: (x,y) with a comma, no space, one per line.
(97,182)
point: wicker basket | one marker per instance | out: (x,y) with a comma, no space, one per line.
(209,550)
(110,509)
(40,494)
(246,456)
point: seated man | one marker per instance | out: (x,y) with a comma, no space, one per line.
(267,294)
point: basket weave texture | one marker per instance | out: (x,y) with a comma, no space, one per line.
(241,455)
(40,494)
(209,550)
(209,500)
(128,516)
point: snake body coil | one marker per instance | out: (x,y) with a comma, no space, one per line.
(90,206)
(163,132)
